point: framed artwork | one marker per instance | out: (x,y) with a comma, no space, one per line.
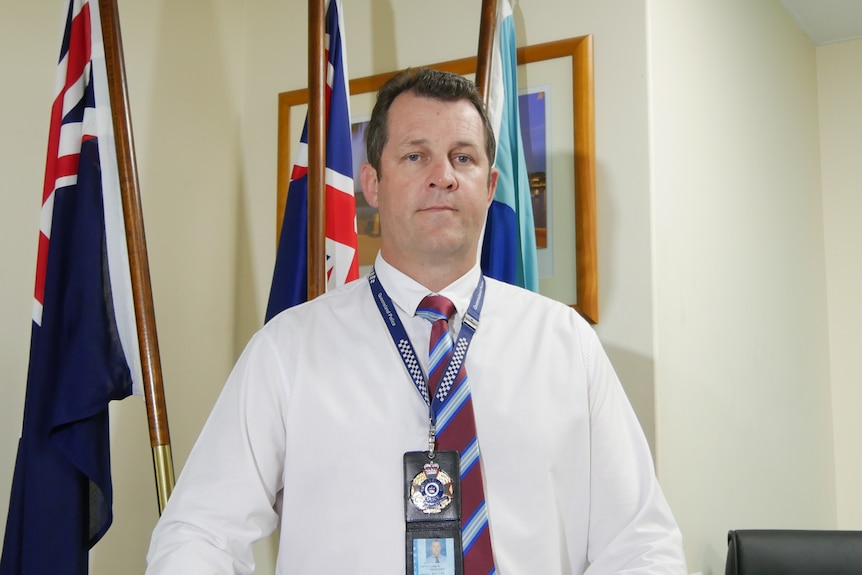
(558,130)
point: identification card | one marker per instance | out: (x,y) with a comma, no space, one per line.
(432,512)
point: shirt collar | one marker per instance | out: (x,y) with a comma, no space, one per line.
(407,293)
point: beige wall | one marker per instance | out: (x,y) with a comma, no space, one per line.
(711,249)
(185,98)
(840,94)
(742,357)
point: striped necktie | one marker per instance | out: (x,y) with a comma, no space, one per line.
(456,430)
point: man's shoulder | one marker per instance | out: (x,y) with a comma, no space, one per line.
(516,295)
(518,305)
(347,295)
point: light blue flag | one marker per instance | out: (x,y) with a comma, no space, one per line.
(509,247)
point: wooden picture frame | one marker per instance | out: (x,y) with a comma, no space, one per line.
(579,51)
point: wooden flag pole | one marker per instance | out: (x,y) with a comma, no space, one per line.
(487,28)
(142,293)
(317,65)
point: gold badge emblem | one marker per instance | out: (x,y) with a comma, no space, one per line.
(432,490)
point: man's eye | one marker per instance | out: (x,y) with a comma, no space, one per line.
(463,159)
(412,157)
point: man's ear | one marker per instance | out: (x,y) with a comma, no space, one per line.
(368,179)
(492,184)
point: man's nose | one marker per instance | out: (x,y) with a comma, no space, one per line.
(441,175)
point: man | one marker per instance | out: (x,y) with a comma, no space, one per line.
(436,556)
(311,429)
(436,561)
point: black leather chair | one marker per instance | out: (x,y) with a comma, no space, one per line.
(793,552)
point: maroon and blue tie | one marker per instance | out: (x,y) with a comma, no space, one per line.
(456,430)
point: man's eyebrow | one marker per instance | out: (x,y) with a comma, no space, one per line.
(466,144)
(425,141)
(413,142)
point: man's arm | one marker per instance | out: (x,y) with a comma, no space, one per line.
(631,527)
(226,495)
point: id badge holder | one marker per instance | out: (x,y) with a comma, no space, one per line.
(432,513)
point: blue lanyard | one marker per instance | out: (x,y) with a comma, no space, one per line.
(408,354)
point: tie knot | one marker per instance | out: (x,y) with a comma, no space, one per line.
(435,307)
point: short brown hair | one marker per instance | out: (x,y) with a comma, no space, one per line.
(426,83)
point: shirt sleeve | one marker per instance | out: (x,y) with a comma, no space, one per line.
(226,496)
(631,528)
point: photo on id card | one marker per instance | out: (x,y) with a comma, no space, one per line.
(434,556)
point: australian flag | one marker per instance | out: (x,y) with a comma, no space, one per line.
(290,278)
(83,349)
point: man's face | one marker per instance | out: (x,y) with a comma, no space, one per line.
(434,188)
(435,548)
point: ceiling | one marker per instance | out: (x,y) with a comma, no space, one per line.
(827,21)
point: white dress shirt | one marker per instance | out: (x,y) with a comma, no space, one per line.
(309,432)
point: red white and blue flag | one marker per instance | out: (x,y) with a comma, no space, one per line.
(83,348)
(290,278)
